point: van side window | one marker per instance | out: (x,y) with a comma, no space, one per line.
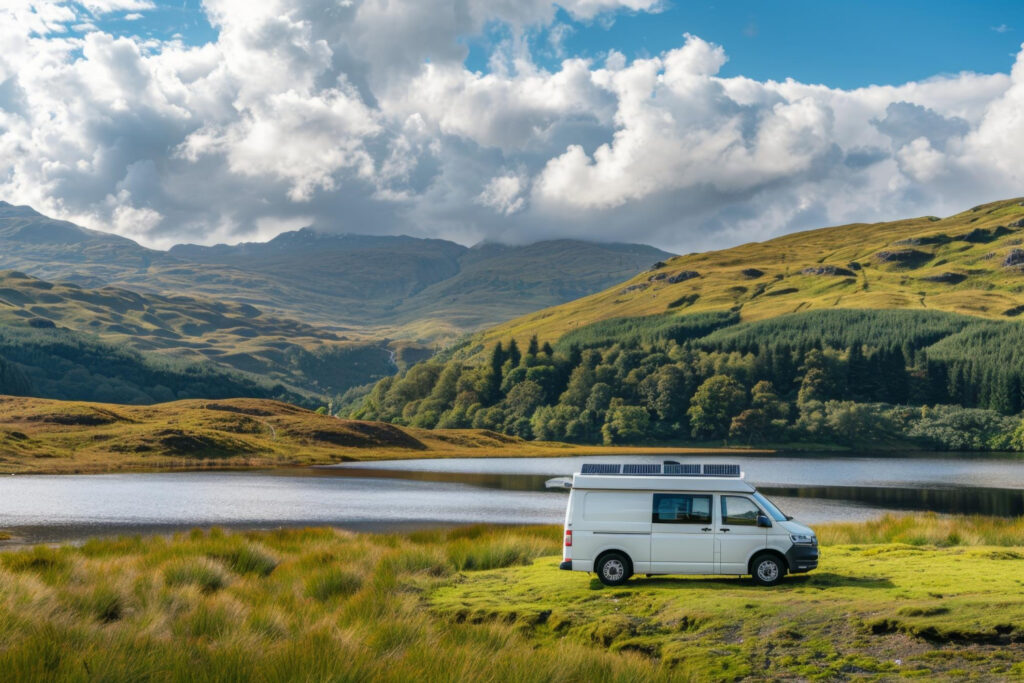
(681,508)
(739,511)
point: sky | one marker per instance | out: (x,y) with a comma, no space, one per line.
(686,125)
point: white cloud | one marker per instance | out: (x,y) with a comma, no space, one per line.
(504,194)
(361,116)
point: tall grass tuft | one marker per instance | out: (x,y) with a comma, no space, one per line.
(47,562)
(332,583)
(247,559)
(927,529)
(204,574)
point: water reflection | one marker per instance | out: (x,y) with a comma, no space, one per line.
(960,501)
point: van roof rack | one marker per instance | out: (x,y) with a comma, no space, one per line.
(666,470)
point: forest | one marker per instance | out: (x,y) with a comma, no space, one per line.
(67,365)
(864,378)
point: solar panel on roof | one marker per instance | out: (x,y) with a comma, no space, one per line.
(642,468)
(683,470)
(600,468)
(721,470)
(670,470)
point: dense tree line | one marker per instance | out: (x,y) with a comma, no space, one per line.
(849,377)
(66,365)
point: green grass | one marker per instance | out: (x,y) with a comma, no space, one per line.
(898,597)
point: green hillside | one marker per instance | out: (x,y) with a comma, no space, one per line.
(902,334)
(65,338)
(970,263)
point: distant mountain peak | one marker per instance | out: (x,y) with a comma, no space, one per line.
(8,210)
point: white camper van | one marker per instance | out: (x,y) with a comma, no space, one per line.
(679,519)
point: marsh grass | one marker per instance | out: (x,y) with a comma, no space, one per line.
(928,529)
(476,603)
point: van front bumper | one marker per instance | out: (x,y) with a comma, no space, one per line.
(567,565)
(802,558)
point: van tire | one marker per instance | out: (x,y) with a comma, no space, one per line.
(614,569)
(767,569)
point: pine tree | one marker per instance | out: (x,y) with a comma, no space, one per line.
(857,375)
(513,353)
(534,348)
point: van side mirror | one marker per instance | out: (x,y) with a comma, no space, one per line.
(762,520)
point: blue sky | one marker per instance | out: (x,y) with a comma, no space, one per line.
(840,44)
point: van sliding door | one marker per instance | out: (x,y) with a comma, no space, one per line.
(682,534)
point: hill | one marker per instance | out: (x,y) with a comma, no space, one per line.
(970,263)
(46,436)
(893,335)
(395,286)
(40,320)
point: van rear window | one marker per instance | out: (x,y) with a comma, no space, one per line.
(681,508)
(617,506)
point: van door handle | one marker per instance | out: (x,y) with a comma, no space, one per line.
(723,529)
(707,528)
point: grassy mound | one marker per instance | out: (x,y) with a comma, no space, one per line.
(46,436)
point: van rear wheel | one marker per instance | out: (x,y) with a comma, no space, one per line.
(767,569)
(614,569)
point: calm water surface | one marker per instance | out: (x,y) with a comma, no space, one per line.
(416,493)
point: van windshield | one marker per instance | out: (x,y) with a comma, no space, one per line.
(769,506)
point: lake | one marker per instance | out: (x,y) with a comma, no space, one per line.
(398,495)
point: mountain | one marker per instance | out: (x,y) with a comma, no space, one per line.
(65,336)
(906,334)
(970,263)
(395,286)
(49,248)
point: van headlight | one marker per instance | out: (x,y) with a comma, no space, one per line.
(804,539)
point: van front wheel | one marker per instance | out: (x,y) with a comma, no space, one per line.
(614,569)
(767,570)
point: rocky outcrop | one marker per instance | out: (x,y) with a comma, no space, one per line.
(1014,258)
(657,276)
(634,288)
(683,276)
(982,236)
(828,270)
(908,258)
(751,273)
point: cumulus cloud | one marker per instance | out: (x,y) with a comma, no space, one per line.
(361,116)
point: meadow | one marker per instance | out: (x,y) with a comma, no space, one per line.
(919,596)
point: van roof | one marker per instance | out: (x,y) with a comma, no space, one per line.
(660,483)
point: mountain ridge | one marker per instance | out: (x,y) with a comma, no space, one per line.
(394,286)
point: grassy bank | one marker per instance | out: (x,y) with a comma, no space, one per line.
(919,596)
(44,436)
